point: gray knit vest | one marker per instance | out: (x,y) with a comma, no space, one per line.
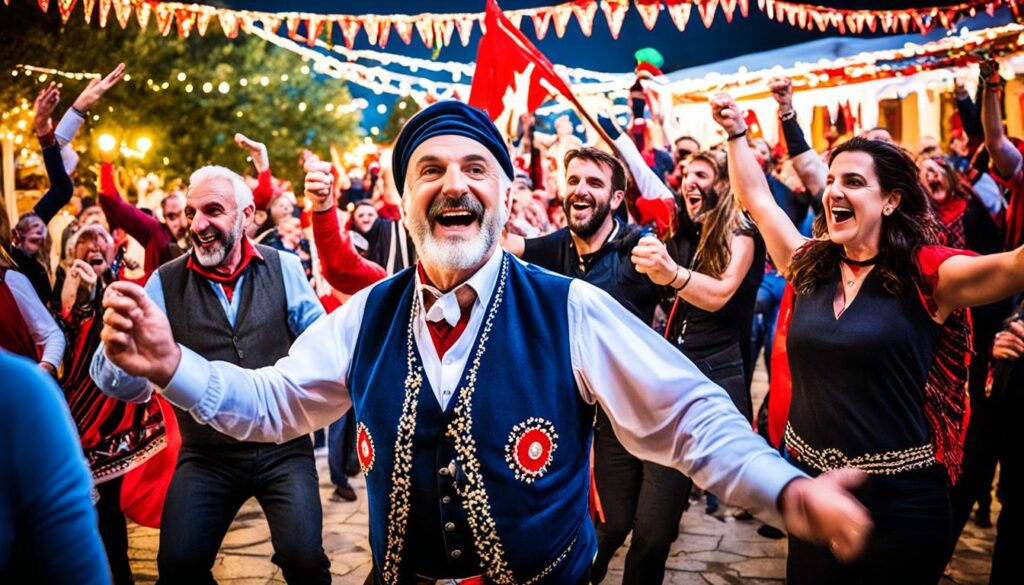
(259,338)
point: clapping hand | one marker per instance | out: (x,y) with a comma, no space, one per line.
(45,104)
(136,334)
(97,87)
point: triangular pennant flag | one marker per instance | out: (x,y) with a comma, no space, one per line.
(585,12)
(648,10)
(872,21)
(728,8)
(443,30)
(404,29)
(837,21)
(852,22)
(164,18)
(793,12)
(44,5)
(426,29)
(516,18)
(186,19)
(203,21)
(923,22)
(761,5)
(801,18)
(245,22)
(679,10)
(887,21)
(744,8)
(228,23)
(384,34)
(465,26)
(142,13)
(819,20)
(65,7)
(87,6)
(947,18)
(905,21)
(270,23)
(349,30)
(707,11)
(123,12)
(561,16)
(990,8)
(371,26)
(314,26)
(769,8)
(541,19)
(292,23)
(615,12)
(104,12)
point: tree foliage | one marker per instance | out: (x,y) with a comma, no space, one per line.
(188,128)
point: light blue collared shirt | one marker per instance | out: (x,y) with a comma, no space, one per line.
(304,309)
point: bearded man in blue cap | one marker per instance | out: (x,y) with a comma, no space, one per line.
(473,378)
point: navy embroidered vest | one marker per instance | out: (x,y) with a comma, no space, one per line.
(498,482)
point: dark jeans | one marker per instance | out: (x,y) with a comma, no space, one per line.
(207,490)
(725,368)
(637,496)
(114,531)
(908,543)
(766,314)
(341,448)
(1007,404)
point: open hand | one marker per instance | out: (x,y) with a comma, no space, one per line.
(727,114)
(97,87)
(136,334)
(319,186)
(257,151)
(822,510)
(45,104)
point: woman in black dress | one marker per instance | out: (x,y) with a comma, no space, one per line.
(876,383)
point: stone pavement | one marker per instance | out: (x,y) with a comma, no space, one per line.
(710,550)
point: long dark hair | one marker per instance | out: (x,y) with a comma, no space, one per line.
(911,226)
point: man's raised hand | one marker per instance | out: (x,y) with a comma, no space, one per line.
(136,334)
(319,186)
(727,114)
(257,151)
(97,87)
(782,91)
(45,104)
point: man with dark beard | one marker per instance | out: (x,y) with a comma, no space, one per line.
(639,496)
(242,303)
(474,378)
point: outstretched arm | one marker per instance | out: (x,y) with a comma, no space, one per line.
(1005,157)
(969,281)
(751,187)
(806,162)
(264,190)
(61,187)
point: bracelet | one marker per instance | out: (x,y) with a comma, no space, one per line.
(675,278)
(739,134)
(80,113)
(787,116)
(689,275)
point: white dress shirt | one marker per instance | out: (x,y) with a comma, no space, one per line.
(41,326)
(661,407)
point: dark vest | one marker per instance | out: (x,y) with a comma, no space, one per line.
(260,337)
(498,482)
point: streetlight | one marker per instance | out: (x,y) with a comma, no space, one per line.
(107,142)
(143,144)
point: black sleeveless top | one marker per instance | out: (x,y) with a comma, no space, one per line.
(858,381)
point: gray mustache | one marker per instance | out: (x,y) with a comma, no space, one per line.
(442,204)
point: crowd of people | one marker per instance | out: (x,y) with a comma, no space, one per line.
(205,347)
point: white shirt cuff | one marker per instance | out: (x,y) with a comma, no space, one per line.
(190,381)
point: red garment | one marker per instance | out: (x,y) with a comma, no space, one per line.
(390,211)
(343,267)
(1014,206)
(264,190)
(946,406)
(15,336)
(227,280)
(153,235)
(442,333)
(144,488)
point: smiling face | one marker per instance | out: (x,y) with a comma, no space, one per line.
(854,200)
(589,199)
(455,202)
(698,181)
(217,225)
(935,180)
(173,209)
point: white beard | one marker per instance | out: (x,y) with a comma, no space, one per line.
(209,259)
(457,253)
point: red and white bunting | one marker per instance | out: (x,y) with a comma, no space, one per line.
(585,12)
(465,26)
(384,34)
(44,5)
(371,27)
(561,15)
(615,13)
(270,23)
(123,12)
(314,26)
(292,24)
(648,10)
(349,30)
(203,18)
(104,12)
(707,9)
(164,18)
(541,19)
(679,10)
(186,21)
(443,30)
(404,29)
(426,30)
(728,9)
(516,18)
(228,24)
(65,7)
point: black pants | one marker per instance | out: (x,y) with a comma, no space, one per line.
(908,543)
(114,531)
(372,579)
(1007,402)
(638,496)
(207,490)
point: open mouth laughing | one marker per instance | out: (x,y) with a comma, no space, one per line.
(841,214)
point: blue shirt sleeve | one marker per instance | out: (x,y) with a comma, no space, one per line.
(304,307)
(47,486)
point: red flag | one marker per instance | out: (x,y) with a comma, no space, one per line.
(512,77)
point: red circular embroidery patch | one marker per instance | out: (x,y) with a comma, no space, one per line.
(364,448)
(530,448)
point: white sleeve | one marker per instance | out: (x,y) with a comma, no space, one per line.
(68,127)
(648,183)
(44,329)
(664,410)
(304,391)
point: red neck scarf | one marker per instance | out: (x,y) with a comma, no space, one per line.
(951,209)
(227,280)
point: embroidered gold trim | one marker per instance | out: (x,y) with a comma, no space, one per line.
(888,463)
(398,509)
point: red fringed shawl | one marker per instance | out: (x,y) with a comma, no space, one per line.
(946,407)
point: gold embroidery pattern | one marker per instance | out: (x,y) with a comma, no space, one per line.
(401,475)
(888,463)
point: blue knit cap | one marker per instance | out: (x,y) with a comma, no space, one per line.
(447,118)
